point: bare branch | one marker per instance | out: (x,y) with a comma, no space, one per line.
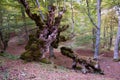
(34,17)
(59,17)
(89,15)
(27,8)
(38,4)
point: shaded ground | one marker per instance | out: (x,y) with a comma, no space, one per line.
(38,71)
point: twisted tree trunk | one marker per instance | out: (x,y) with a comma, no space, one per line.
(46,33)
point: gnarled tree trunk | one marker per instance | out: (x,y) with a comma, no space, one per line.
(46,33)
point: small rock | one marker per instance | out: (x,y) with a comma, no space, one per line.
(108,66)
(23,73)
(32,76)
(118,62)
(66,75)
(24,69)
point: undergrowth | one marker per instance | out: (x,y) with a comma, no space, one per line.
(9,56)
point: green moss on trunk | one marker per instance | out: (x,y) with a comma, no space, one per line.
(32,52)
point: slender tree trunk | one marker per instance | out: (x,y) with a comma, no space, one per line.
(98,30)
(64,4)
(93,39)
(24,21)
(89,14)
(4,36)
(1,41)
(116,47)
(7,36)
(111,36)
(1,34)
(57,6)
(51,52)
(116,50)
(107,35)
(72,17)
(1,19)
(41,14)
(104,34)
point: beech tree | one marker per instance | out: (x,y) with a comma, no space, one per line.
(116,46)
(4,31)
(97,27)
(46,33)
(98,30)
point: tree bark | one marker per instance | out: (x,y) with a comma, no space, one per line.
(98,30)
(51,51)
(116,47)
(111,35)
(48,29)
(94,38)
(104,34)
(72,17)
(1,34)
(89,14)
(41,14)
(87,64)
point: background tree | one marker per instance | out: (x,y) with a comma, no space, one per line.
(46,33)
(116,48)
(98,29)
(85,20)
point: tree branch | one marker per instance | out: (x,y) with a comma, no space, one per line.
(38,4)
(34,17)
(89,15)
(59,17)
(27,8)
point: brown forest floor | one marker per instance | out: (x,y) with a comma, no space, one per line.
(19,70)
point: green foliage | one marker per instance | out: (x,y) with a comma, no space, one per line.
(11,17)
(9,55)
(83,40)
